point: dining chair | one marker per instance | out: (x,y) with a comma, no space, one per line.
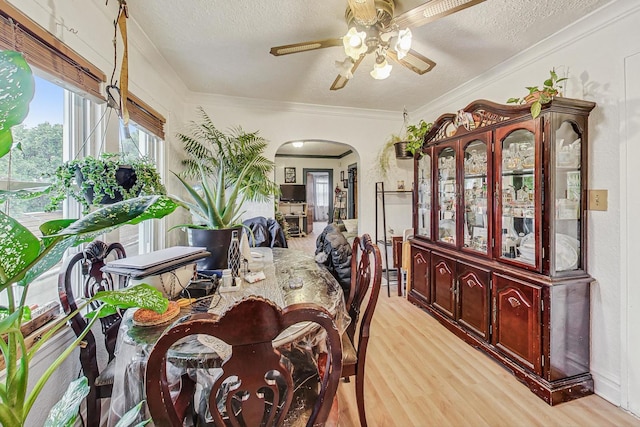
(366,275)
(80,278)
(264,232)
(256,385)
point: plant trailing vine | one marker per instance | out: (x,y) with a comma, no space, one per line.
(99,176)
(537,96)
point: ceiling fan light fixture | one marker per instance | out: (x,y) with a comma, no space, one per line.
(345,68)
(381,69)
(354,43)
(403,43)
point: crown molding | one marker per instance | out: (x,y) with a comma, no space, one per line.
(603,17)
(200,98)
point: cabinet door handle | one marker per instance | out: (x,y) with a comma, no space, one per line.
(514,302)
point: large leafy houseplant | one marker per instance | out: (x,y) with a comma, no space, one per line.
(24,257)
(229,169)
(93,181)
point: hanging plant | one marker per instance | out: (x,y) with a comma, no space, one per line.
(406,144)
(112,177)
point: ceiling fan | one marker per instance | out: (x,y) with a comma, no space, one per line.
(373,28)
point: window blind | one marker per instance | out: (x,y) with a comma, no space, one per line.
(44,51)
(145,116)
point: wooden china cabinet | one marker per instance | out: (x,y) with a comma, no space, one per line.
(499,250)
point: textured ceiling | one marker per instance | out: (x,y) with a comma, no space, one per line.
(222,47)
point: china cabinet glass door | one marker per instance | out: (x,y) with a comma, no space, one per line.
(516,236)
(476,187)
(447,195)
(568,198)
(424,196)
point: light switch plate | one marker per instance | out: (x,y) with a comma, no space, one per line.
(598,200)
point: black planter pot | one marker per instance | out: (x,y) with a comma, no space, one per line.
(216,242)
(126,178)
(401,150)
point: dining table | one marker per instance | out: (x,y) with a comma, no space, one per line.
(290,276)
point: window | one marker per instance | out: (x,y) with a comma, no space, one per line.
(41,138)
(51,134)
(147,236)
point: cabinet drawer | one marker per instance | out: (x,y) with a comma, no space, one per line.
(517,321)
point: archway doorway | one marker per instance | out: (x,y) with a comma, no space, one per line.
(325,168)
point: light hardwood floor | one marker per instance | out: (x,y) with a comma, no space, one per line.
(419,374)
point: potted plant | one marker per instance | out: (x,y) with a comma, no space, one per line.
(229,169)
(108,178)
(538,96)
(25,257)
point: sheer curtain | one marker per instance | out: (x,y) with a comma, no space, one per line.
(321,199)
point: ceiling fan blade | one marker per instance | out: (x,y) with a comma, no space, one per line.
(304,46)
(364,11)
(342,81)
(414,61)
(431,11)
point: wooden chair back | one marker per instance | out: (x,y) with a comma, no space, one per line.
(366,273)
(264,388)
(366,276)
(86,267)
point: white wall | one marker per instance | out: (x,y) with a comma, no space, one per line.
(630,236)
(592,54)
